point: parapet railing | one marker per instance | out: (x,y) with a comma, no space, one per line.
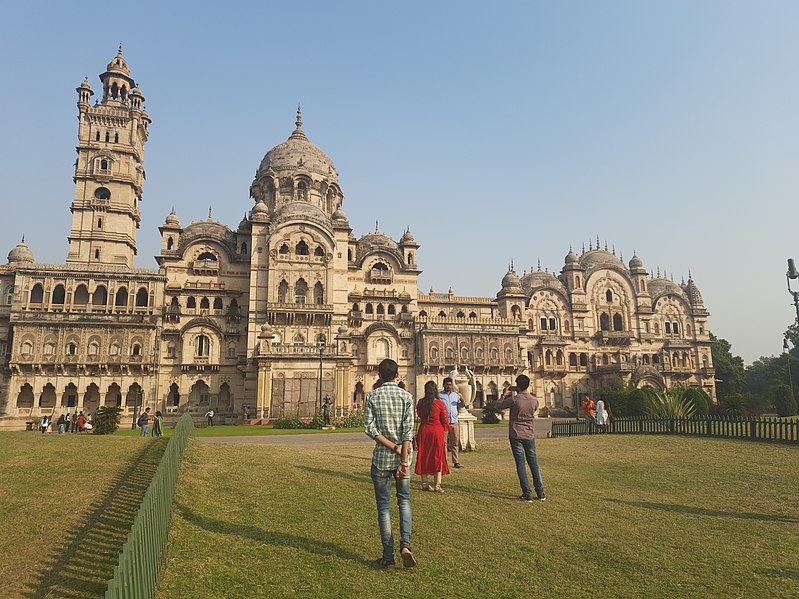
(754,428)
(140,562)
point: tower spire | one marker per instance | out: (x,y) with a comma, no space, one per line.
(298,122)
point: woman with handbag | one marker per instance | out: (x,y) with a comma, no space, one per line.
(431,457)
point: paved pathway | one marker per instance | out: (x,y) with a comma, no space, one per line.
(542,427)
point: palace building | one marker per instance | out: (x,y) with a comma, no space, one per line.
(266,317)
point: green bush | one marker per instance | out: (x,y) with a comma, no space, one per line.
(353,420)
(671,403)
(490,412)
(292,421)
(784,401)
(106,422)
(699,399)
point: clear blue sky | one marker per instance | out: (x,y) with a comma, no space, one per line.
(497,131)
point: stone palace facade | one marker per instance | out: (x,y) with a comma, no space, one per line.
(245,319)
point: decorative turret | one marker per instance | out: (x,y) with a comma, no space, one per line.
(170,233)
(20,254)
(85,94)
(408,246)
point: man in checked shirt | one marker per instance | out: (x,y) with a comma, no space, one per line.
(388,419)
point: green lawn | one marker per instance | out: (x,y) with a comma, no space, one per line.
(625,517)
(67,503)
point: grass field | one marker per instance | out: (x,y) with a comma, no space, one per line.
(67,503)
(625,517)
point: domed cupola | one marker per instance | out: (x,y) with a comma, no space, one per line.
(172,219)
(339,217)
(297,171)
(511,283)
(20,253)
(571,258)
(260,212)
(117,82)
(692,292)
(636,264)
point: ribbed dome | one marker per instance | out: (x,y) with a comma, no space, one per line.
(535,280)
(172,219)
(85,84)
(692,292)
(571,258)
(511,280)
(407,237)
(21,253)
(118,64)
(662,285)
(338,214)
(636,262)
(297,209)
(297,153)
(599,259)
(375,241)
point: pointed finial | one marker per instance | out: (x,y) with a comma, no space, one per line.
(23,238)
(614,248)
(511,263)
(298,122)
(539,265)
(376,226)
(606,245)
(689,274)
(597,242)
(591,245)
(120,47)
(570,248)
(583,247)
(209,213)
(658,272)
(621,257)
(682,282)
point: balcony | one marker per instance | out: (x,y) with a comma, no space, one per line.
(205,267)
(382,277)
(204,284)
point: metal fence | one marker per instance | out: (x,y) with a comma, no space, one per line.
(139,567)
(756,428)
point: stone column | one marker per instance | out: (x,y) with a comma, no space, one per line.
(466,429)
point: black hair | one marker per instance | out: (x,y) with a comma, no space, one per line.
(522,382)
(387,369)
(425,405)
(448,380)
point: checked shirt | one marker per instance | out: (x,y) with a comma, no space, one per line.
(388,412)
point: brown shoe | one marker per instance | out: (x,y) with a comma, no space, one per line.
(407,558)
(383,564)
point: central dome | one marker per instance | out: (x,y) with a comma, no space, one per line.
(298,154)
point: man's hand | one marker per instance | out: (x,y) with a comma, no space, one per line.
(402,470)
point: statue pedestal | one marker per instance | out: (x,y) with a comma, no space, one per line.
(466,429)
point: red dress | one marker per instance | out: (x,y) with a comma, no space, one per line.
(430,441)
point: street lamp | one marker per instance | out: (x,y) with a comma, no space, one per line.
(136,399)
(793,274)
(788,362)
(321,345)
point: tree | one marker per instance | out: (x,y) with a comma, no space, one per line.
(783,399)
(730,372)
(107,420)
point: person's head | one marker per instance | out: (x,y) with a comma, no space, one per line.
(401,384)
(448,385)
(147,410)
(158,413)
(522,382)
(387,370)
(430,389)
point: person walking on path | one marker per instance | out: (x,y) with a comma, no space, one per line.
(588,412)
(431,458)
(210,415)
(453,401)
(522,436)
(144,422)
(81,421)
(388,420)
(75,421)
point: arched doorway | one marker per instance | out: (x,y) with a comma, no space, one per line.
(225,403)
(113,397)
(357,396)
(200,394)
(91,399)
(47,396)
(25,397)
(134,396)
(69,398)
(173,397)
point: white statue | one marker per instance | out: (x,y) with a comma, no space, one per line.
(464,385)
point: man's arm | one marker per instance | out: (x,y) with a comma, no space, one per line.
(407,436)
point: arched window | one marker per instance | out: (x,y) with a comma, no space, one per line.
(49,348)
(609,295)
(423,313)
(299,339)
(577,281)
(191,302)
(410,258)
(449,353)
(203,346)
(548,357)
(667,326)
(142,298)
(301,249)
(318,293)
(97,254)
(204,303)
(572,359)
(559,358)
(81,296)
(121,297)
(218,303)
(300,291)
(319,252)
(380,309)
(116,135)
(207,257)
(704,361)
(282,292)
(479,353)
(94,348)
(464,353)
(113,350)
(460,314)
(645,358)
(9,295)
(675,328)
(392,309)
(59,295)
(433,353)
(72,349)
(382,349)
(135,350)
(472,315)
(99,223)
(565,326)
(170,243)
(657,329)
(605,360)
(494,353)
(104,163)
(284,249)
(583,359)
(369,309)
(243,249)
(302,190)
(618,325)
(442,314)
(97,136)
(604,322)
(356,308)
(655,359)
(508,355)
(100,296)
(26,349)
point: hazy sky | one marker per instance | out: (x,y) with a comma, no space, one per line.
(496,131)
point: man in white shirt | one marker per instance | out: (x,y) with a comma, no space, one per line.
(452,399)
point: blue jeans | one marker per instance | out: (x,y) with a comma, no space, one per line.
(382,480)
(144,429)
(526,449)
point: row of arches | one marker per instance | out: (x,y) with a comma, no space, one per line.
(82,296)
(380,309)
(465,354)
(442,314)
(71,348)
(301,249)
(107,137)
(301,292)
(91,399)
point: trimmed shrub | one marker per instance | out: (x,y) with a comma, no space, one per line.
(699,399)
(672,403)
(783,399)
(106,422)
(490,413)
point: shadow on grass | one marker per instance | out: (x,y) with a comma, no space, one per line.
(84,562)
(268,537)
(701,511)
(789,573)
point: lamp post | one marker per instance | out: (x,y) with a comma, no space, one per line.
(321,345)
(136,399)
(788,363)
(793,275)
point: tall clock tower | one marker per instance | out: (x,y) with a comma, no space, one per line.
(109,172)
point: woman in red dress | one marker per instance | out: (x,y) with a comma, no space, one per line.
(430,438)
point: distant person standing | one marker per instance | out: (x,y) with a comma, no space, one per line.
(521,435)
(601,416)
(75,421)
(144,422)
(388,419)
(61,422)
(453,401)
(158,424)
(67,422)
(81,421)
(44,424)
(431,458)
(588,412)
(210,415)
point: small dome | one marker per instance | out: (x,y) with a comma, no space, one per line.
(693,294)
(339,215)
(85,84)
(537,279)
(661,285)
(355,292)
(245,223)
(407,237)
(571,258)
(172,219)
(135,92)
(595,259)
(260,208)
(374,241)
(404,294)
(636,262)
(118,64)
(21,253)
(342,330)
(266,331)
(511,280)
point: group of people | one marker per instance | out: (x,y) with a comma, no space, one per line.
(389,421)
(66,423)
(144,423)
(596,415)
